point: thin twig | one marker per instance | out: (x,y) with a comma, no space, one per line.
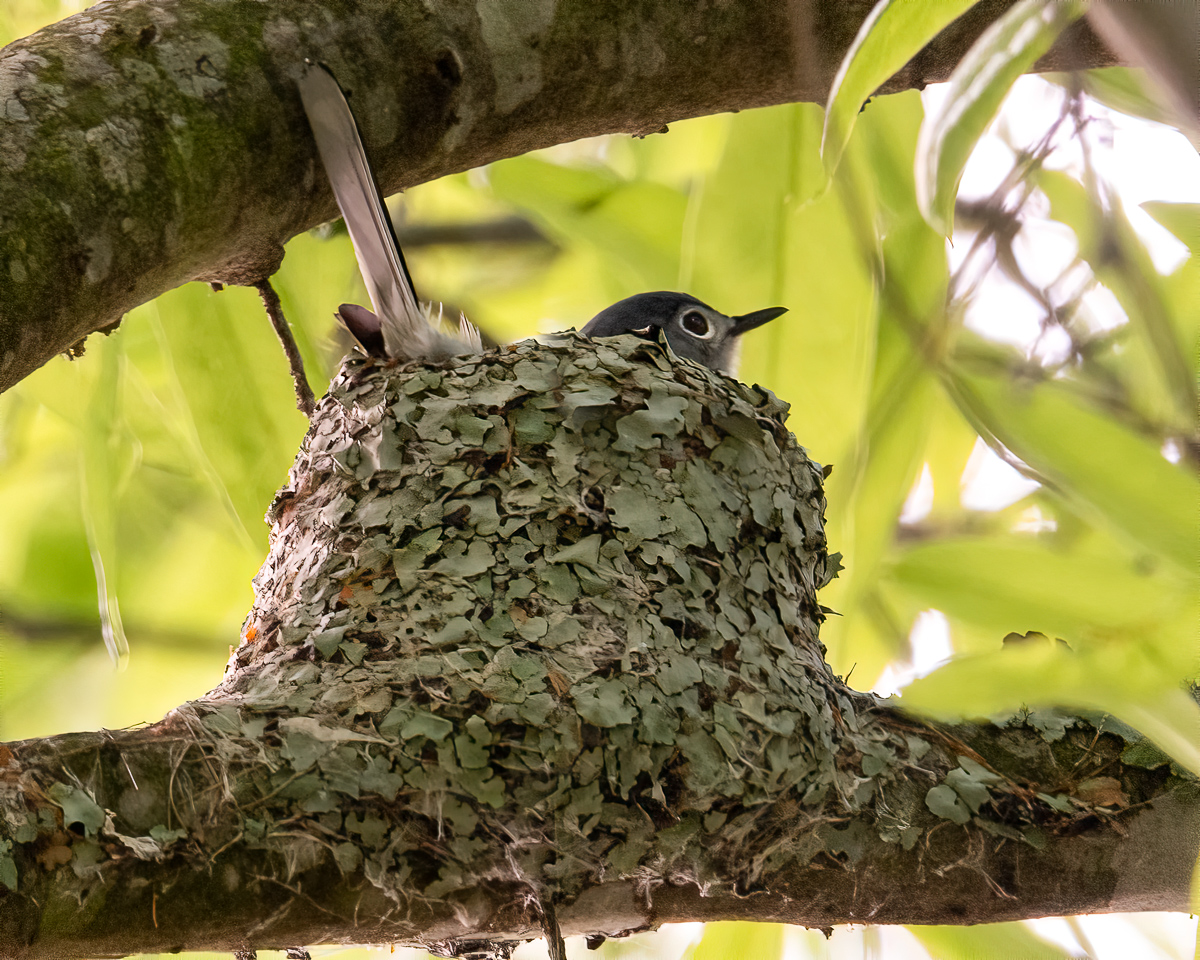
(305,402)
(550,928)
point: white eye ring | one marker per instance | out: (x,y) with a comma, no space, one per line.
(695,315)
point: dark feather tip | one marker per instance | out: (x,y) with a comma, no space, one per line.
(364,327)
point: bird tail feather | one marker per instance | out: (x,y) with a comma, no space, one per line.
(407,333)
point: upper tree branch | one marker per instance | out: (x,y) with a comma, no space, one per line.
(145,144)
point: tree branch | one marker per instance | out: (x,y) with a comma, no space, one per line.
(143,145)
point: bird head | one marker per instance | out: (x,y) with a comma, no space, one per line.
(692,328)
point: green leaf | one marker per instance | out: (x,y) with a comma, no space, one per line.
(979,84)
(1119,88)
(739,940)
(986,940)
(743,220)
(1012,582)
(893,33)
(866,400)
(1116,473)
(536,184)
(1169,720)
(634,225)
(1119,259)
(1124,680)
(1182,219)
(812,265)
(874,480)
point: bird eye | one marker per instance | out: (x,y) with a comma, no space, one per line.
(696,324)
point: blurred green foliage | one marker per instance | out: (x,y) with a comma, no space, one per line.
(159,451)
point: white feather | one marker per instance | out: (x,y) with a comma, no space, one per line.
(468,333)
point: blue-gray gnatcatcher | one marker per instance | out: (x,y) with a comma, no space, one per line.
(401,328)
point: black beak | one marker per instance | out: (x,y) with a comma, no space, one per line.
(748,321)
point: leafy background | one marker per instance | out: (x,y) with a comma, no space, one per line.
(908,366)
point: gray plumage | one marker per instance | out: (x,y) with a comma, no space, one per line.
(400,326)
(692,328)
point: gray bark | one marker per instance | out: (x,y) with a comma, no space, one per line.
(538,634)
(146,144)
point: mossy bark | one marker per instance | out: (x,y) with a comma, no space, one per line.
(143,145)
(539,630)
